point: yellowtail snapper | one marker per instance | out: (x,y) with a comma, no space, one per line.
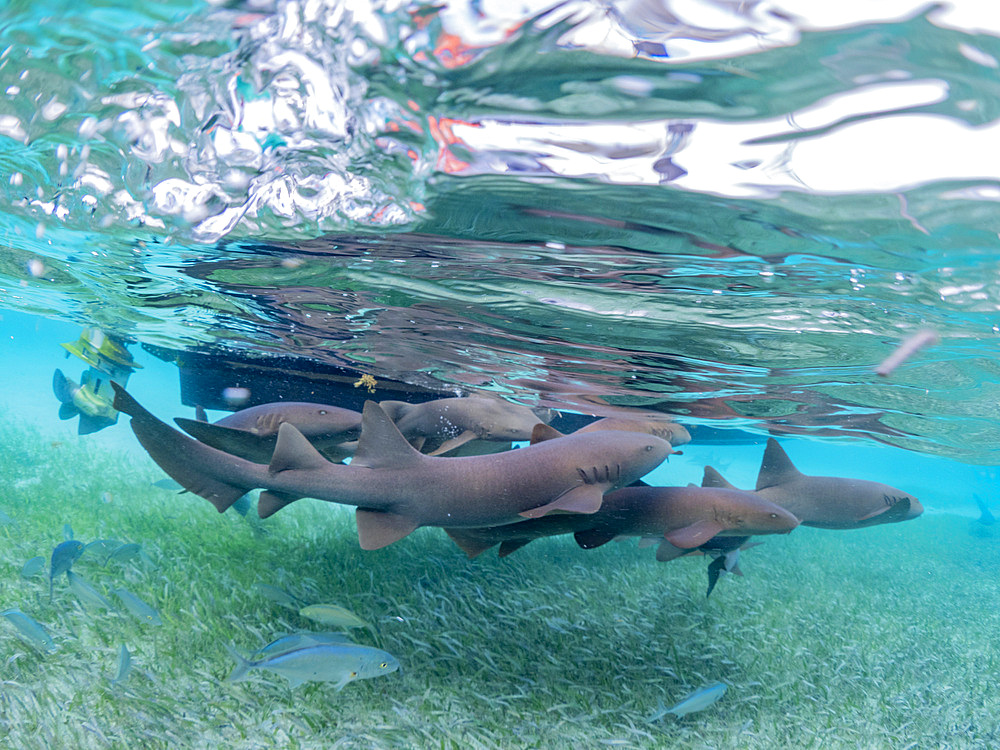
(339,663)
(32,631)
(138,608)
(334,616)
(696,701)
(63,557)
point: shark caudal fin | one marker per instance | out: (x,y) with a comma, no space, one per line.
(712,478)
(381,444)
(776,467)
(242,443)
(198,468)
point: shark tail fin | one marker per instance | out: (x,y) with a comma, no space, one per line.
(198,468)
(776,467)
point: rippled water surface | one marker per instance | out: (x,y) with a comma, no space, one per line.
(729,211)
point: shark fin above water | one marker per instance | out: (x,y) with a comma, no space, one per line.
(585,498)
(377,529)
(381,444)
(776,468)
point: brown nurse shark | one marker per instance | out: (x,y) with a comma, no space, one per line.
(395,487)
(672,432)
(682,518)
(449,423)
(252,433)
(825,502)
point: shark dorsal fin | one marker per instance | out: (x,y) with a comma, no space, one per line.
(713,478)
(381,444)
(776,467)
(294,451)
(542,432)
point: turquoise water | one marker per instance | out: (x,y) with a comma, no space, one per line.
(728,213)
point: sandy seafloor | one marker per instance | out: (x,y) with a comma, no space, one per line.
(884,637)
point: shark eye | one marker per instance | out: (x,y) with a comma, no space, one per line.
(322,411)
(774,515)
(649,448)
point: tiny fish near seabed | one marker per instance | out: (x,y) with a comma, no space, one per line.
(334,616)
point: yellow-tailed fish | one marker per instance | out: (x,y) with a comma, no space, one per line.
(334,616)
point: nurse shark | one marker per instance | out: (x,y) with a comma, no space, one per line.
(395,487)
(825,502)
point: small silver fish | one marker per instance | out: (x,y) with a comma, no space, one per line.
(63,556)
(124,553)
(85,592)
(333,615)
(278,596)
(101,548)
(33,567)
(696,701)
(339,663)
(124,666)
(32,631)
(294,641)
(138,608)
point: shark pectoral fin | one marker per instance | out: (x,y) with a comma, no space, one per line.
(591,538)
(377,529)
(270,502)
(877,512)
(667,552)
(511,545)
(229,439)
(455,442)
(647,541)
(585,498)
(691,536)
(294,451)
(542,432)
(200,414)
(712,478)
(470,545)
